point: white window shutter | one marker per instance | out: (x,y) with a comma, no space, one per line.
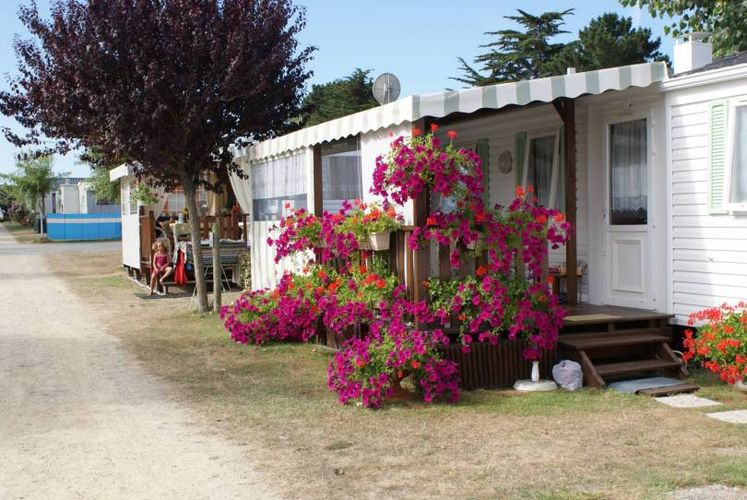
(717,151)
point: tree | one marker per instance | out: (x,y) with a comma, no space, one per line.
(171,85)
(33,179)
(338,98)
(608,41)
(518,55)
(724,19)
(105,190)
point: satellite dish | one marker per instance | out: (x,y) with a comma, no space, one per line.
(386,88)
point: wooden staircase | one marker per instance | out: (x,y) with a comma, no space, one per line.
(617,346)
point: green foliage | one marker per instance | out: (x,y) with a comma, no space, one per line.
(370,218)
(144,194)
(338,98)
(725,19)
(607,41)
(32,180)
(518,54)
(105,190)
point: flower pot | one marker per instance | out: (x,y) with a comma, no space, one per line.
(399,393)
(379,241)
(364,245)
(741,386)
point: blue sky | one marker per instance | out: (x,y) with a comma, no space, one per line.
(417,40)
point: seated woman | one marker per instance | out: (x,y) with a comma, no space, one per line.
(161,266)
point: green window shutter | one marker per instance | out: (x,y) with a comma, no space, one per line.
(717,140)
(560,193)
(482,148)
(519,152)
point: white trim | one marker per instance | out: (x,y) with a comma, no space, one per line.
(669,226)
(123,170)
(56,220)
(720,75)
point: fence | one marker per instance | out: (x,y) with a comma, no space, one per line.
(84,227)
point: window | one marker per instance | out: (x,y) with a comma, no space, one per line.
(175,202)
(278,182)
(737,177)
(132,205)
(341,174)
(628,173)
(541,168)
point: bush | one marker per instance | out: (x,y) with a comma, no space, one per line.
(720,342)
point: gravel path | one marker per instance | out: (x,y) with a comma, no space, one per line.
(80,418)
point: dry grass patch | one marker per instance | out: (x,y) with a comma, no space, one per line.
(23,234)
(588,444)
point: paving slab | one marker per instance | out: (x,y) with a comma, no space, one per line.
(733,417)
(633,386)
(686,401)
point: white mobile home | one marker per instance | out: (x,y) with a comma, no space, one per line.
(658,162)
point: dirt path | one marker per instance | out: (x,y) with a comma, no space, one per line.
(80,418)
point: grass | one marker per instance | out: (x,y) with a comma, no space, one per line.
(588,444)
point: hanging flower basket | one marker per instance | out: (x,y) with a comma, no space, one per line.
(379,241)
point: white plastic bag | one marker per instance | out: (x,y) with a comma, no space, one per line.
(568,375)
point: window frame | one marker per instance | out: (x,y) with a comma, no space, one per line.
(731,139)
(616,120)
(555,173)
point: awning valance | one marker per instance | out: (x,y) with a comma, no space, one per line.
(412,108)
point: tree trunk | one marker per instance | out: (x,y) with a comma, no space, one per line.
(194,222)
(217,268)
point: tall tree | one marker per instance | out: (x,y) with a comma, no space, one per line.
(518,54)
(726,20)
(338,98)
(608,41)
(172,85)
(33,179)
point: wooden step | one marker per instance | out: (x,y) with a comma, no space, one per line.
(629,367)
(669,390)
(585,341)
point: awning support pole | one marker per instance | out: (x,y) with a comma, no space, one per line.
(566,109)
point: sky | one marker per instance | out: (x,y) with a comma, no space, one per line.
(417,40)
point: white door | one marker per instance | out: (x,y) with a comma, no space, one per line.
(627,214)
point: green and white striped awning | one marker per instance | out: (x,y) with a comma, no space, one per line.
(413,108)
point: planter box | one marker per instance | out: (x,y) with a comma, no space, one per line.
(497,366)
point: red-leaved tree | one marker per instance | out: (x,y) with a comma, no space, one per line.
(169,85)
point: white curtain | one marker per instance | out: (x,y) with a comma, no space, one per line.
(739,167)
(276,182)
(628,173)
(539,167)
(243,194)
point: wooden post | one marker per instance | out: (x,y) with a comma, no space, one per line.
(318,182)
(217,268)
(566,109)
(421,207)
